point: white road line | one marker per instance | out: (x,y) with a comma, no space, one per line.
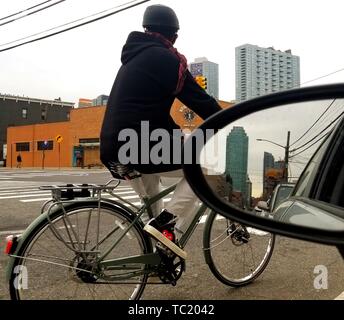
(9,232)
(105,196)
(21,187)
(124,192)
(25,196)
(36,200)
(14,194)
(340,297)
(130,197)
(23,192)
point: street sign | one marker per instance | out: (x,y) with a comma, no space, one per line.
(59,138)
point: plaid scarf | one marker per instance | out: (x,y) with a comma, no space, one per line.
(183,65)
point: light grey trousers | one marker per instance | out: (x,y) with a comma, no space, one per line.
(183,203)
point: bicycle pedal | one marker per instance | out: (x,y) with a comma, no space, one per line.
(166,242)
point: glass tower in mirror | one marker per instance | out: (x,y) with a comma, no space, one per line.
(255,162)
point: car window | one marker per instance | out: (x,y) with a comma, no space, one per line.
(282,194)
(305,182)
(332,187)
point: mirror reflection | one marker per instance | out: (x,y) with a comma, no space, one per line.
(255,162)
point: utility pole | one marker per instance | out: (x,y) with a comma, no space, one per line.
(286,156)
(286,159)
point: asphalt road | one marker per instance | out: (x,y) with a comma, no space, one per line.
(290,274)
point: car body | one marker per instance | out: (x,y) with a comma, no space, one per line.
(318,197)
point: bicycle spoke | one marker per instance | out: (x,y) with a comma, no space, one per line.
(61,259)
(237,254)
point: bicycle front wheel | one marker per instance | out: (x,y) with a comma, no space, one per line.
(235,254)
(59,258)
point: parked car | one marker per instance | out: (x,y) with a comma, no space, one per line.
(281,192)
(317,200)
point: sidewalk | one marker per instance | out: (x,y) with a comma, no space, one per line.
(52,169)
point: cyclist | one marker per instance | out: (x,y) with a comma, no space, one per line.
(152,75)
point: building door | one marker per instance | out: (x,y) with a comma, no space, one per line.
(78,156)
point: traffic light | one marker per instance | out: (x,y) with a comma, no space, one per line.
(202,81)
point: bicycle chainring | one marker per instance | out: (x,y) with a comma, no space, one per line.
(170,268)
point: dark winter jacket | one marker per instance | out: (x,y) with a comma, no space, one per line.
(144,91)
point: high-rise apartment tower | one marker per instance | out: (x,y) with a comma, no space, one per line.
(260,71)
(210,70)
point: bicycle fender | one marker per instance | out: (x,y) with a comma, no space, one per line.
(20,241)
(206,251)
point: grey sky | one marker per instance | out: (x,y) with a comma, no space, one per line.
(83,62)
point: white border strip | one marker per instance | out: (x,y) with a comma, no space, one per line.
(340,297)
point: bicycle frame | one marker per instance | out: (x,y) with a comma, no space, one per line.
(151,259)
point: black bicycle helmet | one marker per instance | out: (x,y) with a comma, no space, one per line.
(160,16)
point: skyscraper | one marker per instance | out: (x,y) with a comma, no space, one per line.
(236,159)
(268,163)
(210,70)
(260,71)
(277,166)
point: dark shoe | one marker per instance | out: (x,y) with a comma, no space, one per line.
(162,229)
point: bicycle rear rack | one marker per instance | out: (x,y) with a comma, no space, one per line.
(85,190)
(71,193)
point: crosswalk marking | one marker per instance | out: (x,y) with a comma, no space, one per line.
(24,196)
(29,193)
(11,175)
(11,232)
(35,200)
(23,186)
(104,196)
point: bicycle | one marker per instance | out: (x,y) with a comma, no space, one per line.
(85,246)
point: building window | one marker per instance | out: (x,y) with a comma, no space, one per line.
(45,145)
(24,113)
(89,140)
(22,146)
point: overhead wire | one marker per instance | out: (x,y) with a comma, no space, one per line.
(322,137)
(309,141)
(330,115)
(324,76)
(31,13)
(73,27)
(312,126)
(19,12)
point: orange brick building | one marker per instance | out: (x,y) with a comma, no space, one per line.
(74,142)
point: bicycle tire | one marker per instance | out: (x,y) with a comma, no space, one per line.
(47,280)
(224,239)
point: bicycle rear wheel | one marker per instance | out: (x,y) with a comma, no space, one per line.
(235,254)
(49,269)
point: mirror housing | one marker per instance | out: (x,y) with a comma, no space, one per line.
(263,205)
(195,176)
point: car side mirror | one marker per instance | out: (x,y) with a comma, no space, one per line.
(287,137)
(263,206)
